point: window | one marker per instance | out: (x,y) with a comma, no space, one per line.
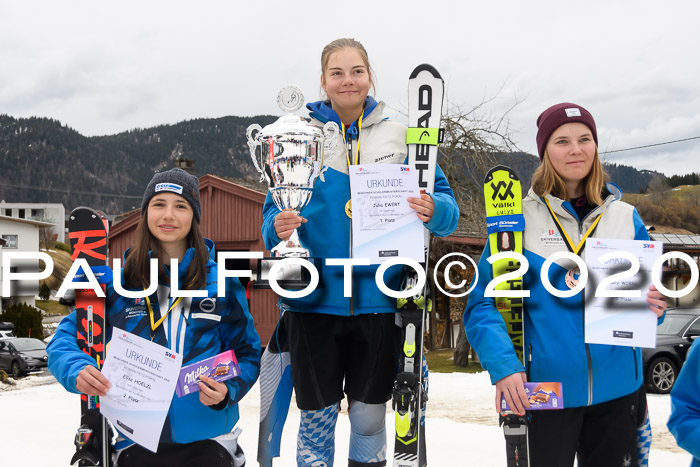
(8,212)
(11,241)
(694,329)
(20,214)
(37,214)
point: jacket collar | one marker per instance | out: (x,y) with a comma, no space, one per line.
(323,112)
(611,192)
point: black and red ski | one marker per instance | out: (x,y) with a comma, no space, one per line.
(88,240)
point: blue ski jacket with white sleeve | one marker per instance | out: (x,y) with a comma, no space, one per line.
(554,327)
(327,234)
(198,329)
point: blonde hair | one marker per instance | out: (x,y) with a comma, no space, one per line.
(339,44)
(546,180)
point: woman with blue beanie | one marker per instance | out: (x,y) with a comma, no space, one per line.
(199,427)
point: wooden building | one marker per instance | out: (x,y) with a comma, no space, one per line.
(676,274)
(232,218)
(445,322)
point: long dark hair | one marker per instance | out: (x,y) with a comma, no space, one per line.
(137,264)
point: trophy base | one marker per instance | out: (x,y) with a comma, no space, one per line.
(290,277)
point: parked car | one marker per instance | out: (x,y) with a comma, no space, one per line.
(21,355)
(68,298)
(674,337)
(6,330)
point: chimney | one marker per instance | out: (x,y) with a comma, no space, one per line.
(185,164)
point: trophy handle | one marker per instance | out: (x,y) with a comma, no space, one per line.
(252,145)
(330,133)
(331,130)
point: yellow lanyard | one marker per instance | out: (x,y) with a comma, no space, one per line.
(154,325)
(357,149)
(569,243)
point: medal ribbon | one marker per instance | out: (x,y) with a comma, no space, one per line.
(357,150)
(578,249)
(154,325)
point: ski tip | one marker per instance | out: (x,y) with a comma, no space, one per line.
(83,214)
(511,173)
(425,67)
(83,209)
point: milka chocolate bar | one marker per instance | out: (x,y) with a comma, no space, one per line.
(219,368)
(542,396)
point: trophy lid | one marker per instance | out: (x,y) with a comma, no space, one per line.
(290,99)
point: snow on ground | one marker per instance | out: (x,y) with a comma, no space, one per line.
(39,419)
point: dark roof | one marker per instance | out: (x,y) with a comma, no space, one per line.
(676,240)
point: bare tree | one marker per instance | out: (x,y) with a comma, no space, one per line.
(473,138)
(47,235)
(659,189)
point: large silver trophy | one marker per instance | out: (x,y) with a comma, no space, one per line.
(289,155)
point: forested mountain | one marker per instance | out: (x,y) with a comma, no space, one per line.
(42,160)
(629,179)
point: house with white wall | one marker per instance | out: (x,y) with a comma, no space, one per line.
(20,235)
(53,213)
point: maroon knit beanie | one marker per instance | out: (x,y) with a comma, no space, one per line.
(558,115)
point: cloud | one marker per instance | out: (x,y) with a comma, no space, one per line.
(103,69)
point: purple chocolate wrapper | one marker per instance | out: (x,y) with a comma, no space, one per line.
(219,368)
(542,396)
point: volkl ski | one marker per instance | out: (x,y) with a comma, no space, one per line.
(505,225)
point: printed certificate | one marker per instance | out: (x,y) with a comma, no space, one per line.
(383,224)
(623,320)
(143,376)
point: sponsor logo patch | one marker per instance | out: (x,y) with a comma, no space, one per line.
(173,187)
(383,158)
(136,311)
(551,237)
(207,305)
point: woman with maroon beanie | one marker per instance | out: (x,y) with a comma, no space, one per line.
(601,384)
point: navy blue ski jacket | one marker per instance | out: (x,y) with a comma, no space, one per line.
(197,332)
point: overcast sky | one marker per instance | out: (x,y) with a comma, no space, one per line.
(106,67)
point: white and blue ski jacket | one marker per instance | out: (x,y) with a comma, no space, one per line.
(327,232)
(202,328)
(555,350)
(684,422)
